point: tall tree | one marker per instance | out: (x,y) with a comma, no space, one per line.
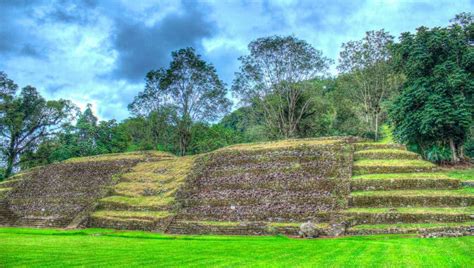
(271,75)
(435,107)
(191,86)
(25,119)
(367,63)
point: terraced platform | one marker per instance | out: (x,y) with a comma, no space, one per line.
(343,185)
(394,191)
(266,188)
(63,194)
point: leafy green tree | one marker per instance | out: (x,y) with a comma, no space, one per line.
(191,87)
(367,63)
(270,78)
(26,119)
(207,138)
(435,107)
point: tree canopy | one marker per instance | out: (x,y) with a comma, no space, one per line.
(435,107)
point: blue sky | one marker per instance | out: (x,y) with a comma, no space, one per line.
(98,51)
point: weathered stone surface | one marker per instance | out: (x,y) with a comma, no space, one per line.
(308,230)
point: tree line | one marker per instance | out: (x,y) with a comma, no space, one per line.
(421,86)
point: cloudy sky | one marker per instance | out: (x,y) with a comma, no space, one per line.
(98,51)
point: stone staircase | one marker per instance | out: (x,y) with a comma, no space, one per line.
(143,199)
(394,191)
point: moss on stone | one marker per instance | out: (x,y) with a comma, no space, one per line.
(120,156)
(414,210)
(412,225)
(466,191)
(417,175)
(125,214)
(385,154)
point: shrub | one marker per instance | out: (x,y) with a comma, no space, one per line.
(469,148)
(438,154)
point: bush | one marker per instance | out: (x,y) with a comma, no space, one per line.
(469,148)
(438,154)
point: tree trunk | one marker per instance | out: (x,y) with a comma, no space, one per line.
(9,169)
(455,159)
(376,127)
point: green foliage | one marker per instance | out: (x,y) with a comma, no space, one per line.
(208,138)
(25,119)
(190,87)
(367,65)
(273,79)
(87,137)
(437,154)
(469,148)
(435,106)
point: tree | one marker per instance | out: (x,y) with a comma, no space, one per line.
(271,77)
(367,63)
(191,86)
(26,119)
(435,107)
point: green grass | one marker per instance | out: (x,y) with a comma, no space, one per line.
(139,201)
(412,225)
(125,214)
(51,248)
(462,174)
(385,154)
(417,210)
(387,135)
(393,163)
(419,175)
(466,191)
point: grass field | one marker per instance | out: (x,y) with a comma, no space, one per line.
(99,247)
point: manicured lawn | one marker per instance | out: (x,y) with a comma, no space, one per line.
(95,247)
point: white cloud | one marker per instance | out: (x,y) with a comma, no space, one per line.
(78,57)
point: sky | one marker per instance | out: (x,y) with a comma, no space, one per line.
(98,51)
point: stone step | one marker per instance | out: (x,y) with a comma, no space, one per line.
(4,192)
(237,228)
(42,222)
(385,154)
(455,228)
(270,213)
(258,197)
(6,216)
(358,216)
(362,167)
(276,181)
(131,220)
(372,145)
(409,198)
(386,184)
(10,183)
(148,203)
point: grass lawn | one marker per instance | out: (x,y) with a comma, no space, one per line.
(98,247)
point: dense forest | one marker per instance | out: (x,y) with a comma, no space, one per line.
(418,87)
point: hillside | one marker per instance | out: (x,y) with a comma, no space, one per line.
(344,185)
